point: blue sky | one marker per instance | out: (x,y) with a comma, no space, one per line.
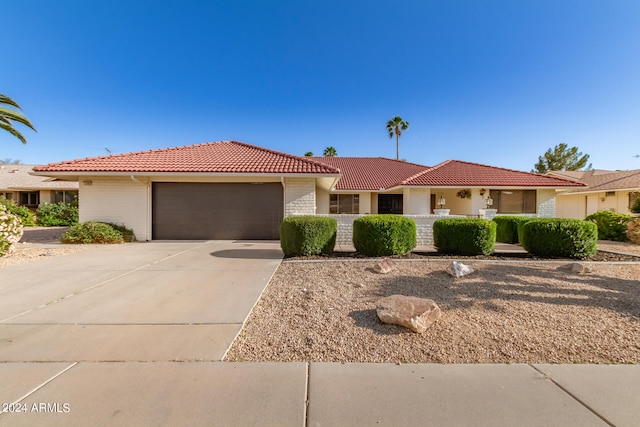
(493,82)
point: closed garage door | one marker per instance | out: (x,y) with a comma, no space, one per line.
(203,211)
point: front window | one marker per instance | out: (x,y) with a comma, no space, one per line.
(514,201)
(65,196)
(344,203)
(31,198)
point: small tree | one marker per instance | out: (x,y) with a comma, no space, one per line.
(330,152)
(561,158)
(308,154)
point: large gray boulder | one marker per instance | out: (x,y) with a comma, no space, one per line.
(414,313)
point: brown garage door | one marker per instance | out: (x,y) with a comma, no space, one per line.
(203,211)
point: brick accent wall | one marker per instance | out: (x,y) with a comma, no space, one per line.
(299,196)
(547,203)
(424,227)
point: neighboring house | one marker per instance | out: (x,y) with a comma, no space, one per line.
(605,190)
(17,184)
(233,190)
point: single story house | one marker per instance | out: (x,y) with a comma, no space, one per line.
(605,190)
(18,184)
(233,190)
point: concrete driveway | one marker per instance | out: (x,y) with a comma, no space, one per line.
(93,337)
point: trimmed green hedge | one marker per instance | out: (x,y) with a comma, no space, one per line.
(611,225)
(465,236)
(383,235)
(636,206)
(507,227)
(97,232)
(559,238)
(308,235)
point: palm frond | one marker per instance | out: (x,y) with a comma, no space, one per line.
(13,132)
(9,114)
(4,99)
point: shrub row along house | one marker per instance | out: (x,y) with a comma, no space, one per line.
(233,190)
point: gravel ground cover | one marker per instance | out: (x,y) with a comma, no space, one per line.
(505,312)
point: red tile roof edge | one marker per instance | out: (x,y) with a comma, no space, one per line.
(573,182)
(47,167)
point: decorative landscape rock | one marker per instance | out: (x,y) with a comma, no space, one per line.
(633,231)
(385,266)
(458,269)
(579,268)
(414,313)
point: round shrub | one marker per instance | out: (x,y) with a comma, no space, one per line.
(96,232)
(10,230)
(507,227)
(465,236)
(25,214)
(383,235)
(611,225)
(308,235)
(57,214)
(633,230)
(559,238)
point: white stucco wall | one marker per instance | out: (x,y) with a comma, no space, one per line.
(416,201)
(117,200)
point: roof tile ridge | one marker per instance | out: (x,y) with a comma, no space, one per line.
(287,155)
(618,178)
(522,172)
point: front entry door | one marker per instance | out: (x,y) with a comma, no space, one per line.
(390,204)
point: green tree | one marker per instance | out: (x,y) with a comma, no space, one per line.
(330,152)
(10,115)
(561,158)
(308,154)
(395,127)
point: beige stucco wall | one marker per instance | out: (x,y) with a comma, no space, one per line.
(575,205)
(118,200)
(416,201)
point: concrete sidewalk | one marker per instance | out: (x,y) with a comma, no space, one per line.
(134,335)
(318,394)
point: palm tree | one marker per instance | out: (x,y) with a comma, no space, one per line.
(330,152)
(395,127)
(7,115)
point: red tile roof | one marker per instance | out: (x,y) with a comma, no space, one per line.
(212,157)
(370,173)
(456,173)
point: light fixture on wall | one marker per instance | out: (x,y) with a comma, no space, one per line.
(482,191)
(441,202)
(489,202)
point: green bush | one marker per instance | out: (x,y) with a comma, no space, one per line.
(25,214)
(611,225)
(507,227)
(97,232)
(465,236)
(636,206)
(10,230)
(559,238)
(57,214)
(308,235)
(383,235)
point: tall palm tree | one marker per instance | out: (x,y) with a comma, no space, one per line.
(395,127)
(9,115)
(330,152)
